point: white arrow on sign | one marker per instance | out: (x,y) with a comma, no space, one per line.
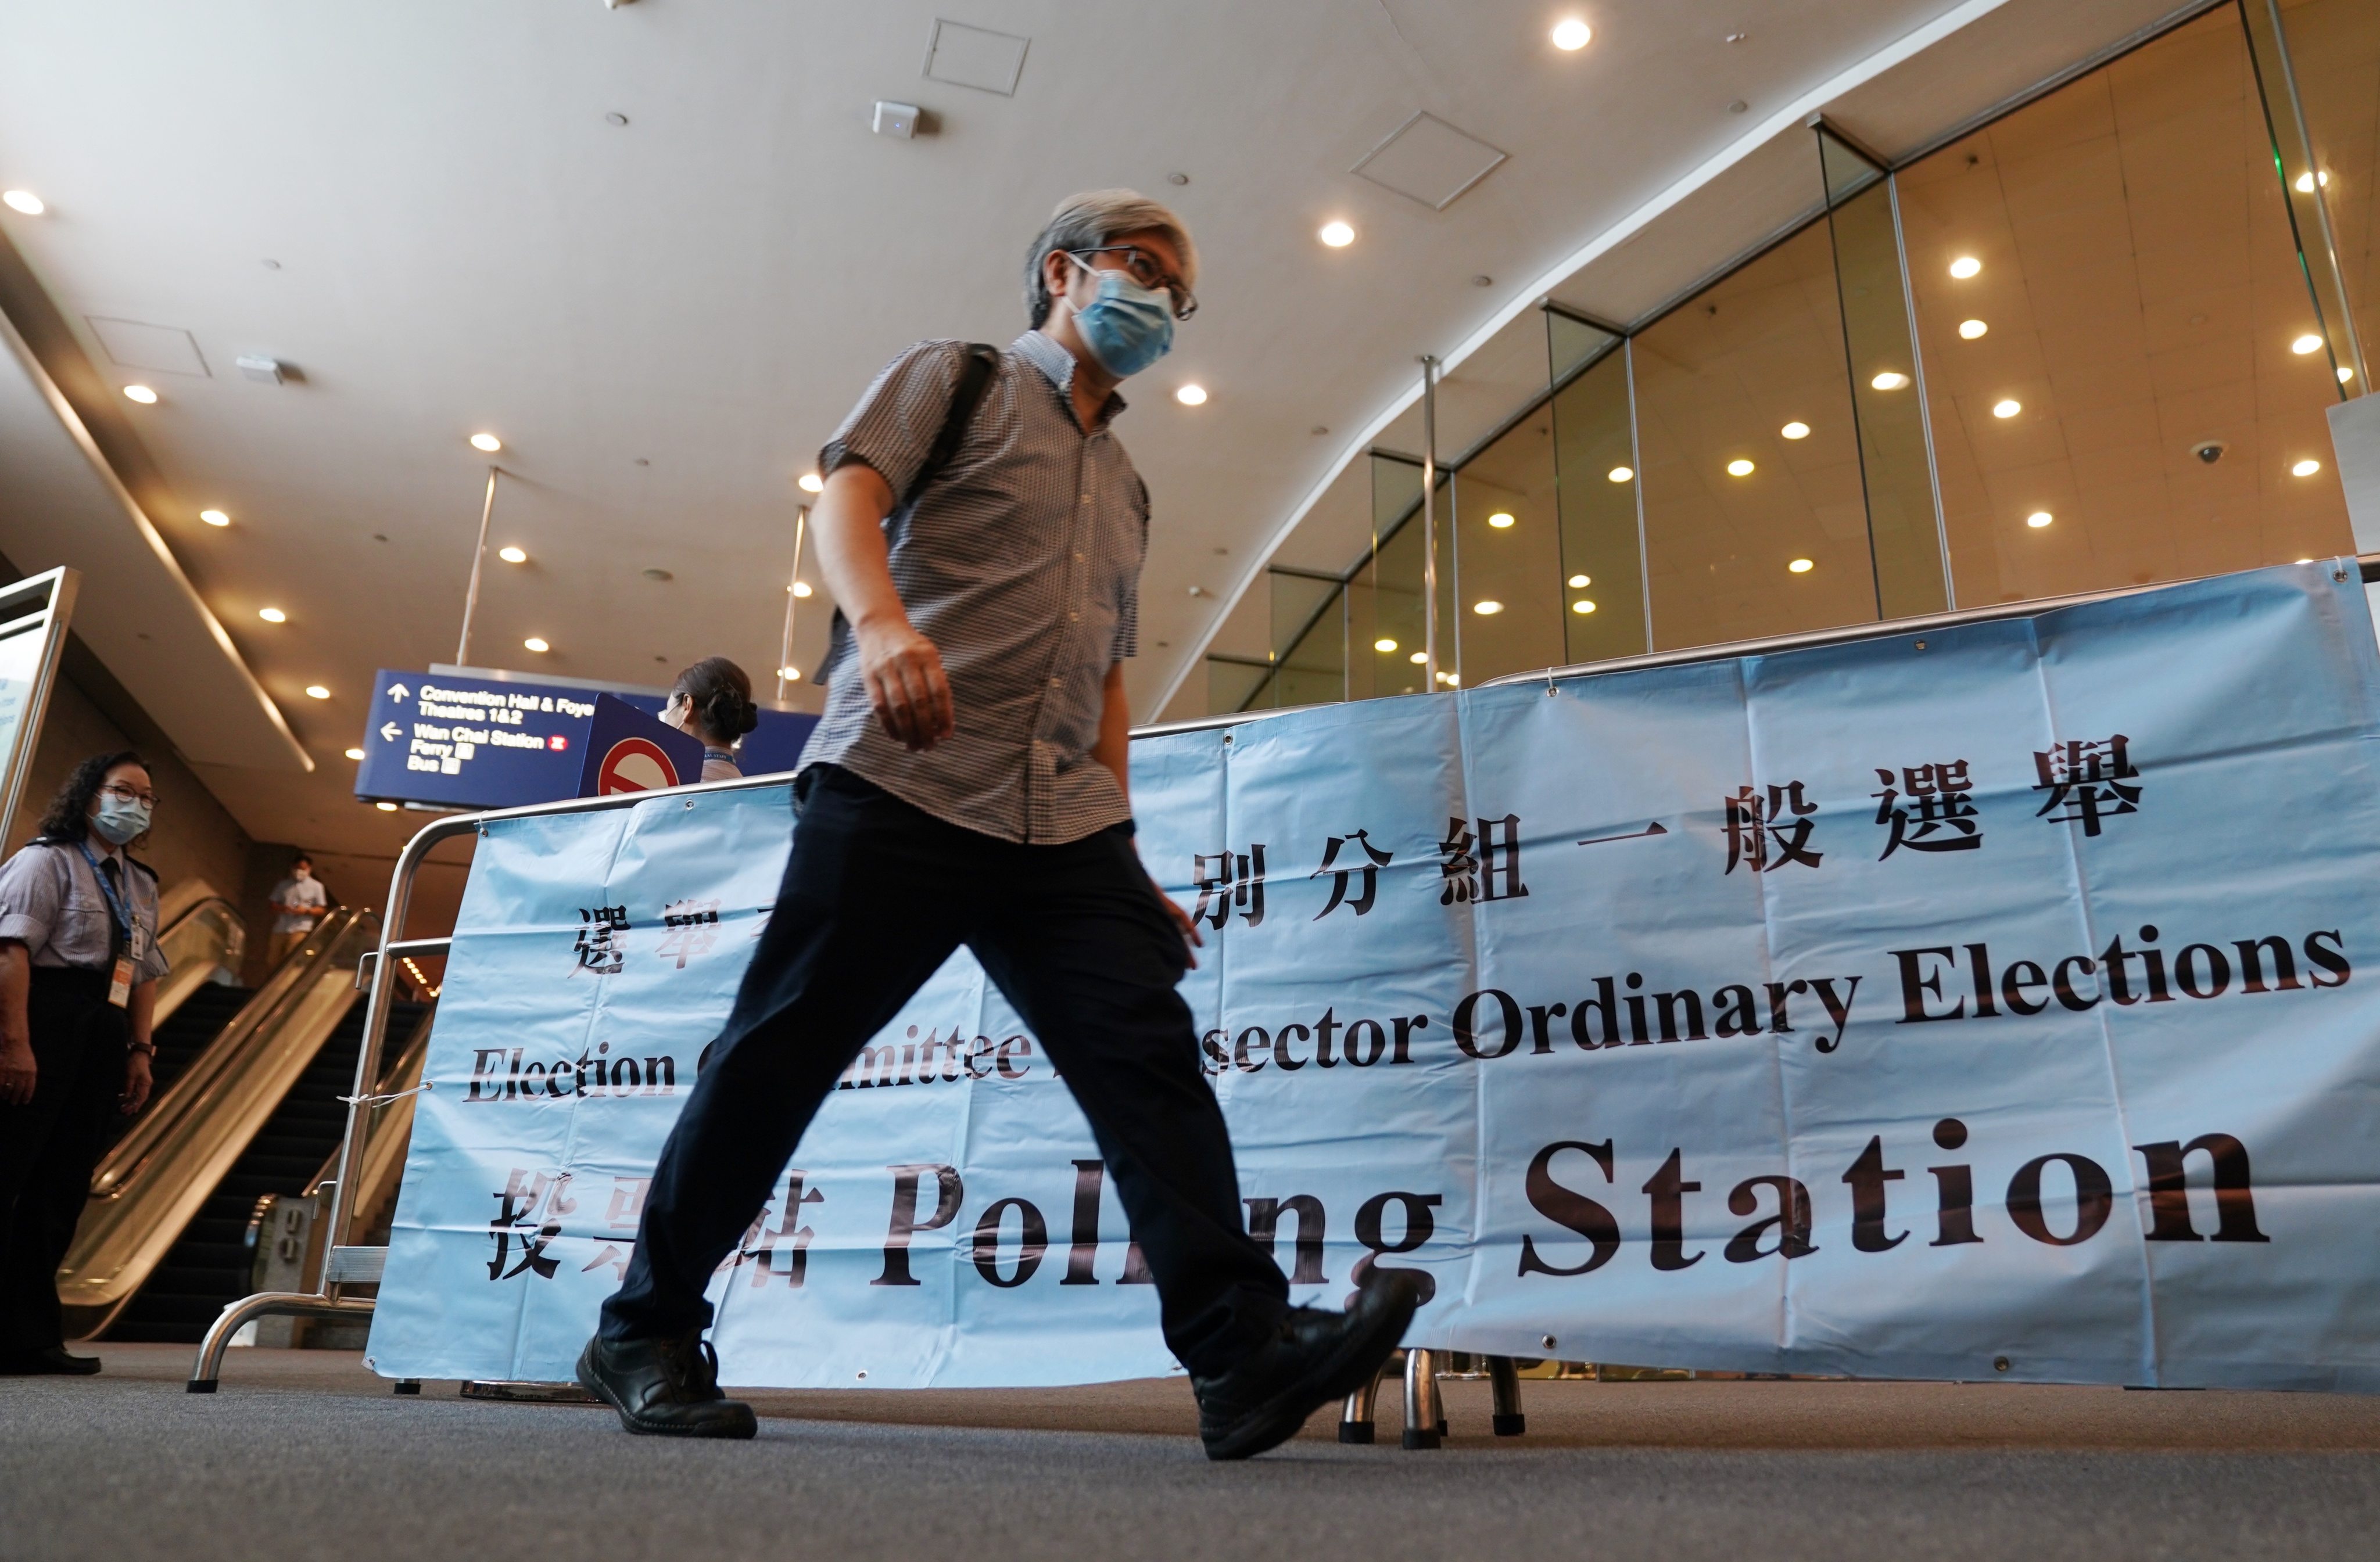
(390,731)
(397,691)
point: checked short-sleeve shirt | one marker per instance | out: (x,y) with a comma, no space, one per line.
(1021,562)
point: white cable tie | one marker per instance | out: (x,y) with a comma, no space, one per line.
(384,1100)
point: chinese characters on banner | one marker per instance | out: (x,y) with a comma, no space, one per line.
(1894,1009)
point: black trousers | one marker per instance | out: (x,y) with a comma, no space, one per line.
(48,1146)
(876,895)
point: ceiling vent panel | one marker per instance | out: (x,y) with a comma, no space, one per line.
(972,56)
(165,348)
(1428,160)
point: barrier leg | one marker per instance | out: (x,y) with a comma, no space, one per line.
(1504,1385)
(208,1368)
(406,1385)
(1424,1421)
(1355,1415)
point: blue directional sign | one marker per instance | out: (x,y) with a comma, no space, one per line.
(457,742)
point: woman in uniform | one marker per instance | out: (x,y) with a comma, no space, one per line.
(79,969)
(712,701)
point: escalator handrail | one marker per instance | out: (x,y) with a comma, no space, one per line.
(197,1087)
(176,987)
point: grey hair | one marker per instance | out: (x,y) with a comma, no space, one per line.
(1094,218)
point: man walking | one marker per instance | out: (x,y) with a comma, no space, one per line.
(984,533)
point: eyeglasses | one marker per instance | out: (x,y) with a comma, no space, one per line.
(1149,271)
(124,794)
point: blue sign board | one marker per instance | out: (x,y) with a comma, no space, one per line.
(459,742)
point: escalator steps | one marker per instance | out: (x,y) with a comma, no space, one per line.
(207,1268)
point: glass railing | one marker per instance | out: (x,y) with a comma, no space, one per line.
(154,1179)
(203,938)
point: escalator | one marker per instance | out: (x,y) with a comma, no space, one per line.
(208,1266)
(247,1105)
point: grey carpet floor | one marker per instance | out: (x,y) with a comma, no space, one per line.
(303,1455)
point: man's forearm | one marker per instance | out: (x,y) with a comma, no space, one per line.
(849,524)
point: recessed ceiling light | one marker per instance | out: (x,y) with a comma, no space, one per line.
(1739,468)
(1569,33)
(1384,645)
(2344,374)
(2007,407)
(385,807)
(25,202)
(1449,679)
(1797,429)
(1579,581)
(2039,519)
(512,555)
(355,752)
(141,393)
(1500,519)
(1971,328)
(1965,266)
(272,615)
(1582,605)
(2309,343)
(790,674)
(1801,566)
(1620,474)
(1891,380)
(2305,183)
(1190,395)
(1337,236)
(1487,609)
(316,691)
(535,643)
(2305,560)
(801,587)
(1418,658)
(810,482)
(2305,469)
(214,517)
(487,442)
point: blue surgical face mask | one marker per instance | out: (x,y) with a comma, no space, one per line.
(1128,327)
(119,821)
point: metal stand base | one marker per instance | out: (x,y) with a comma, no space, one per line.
(208,1368)
(406,1385)
(1424,1421)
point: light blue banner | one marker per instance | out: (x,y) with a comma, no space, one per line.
(1997,1002)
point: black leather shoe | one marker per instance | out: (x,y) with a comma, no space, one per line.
(51,1363)
(1314,1359)
(664,1387)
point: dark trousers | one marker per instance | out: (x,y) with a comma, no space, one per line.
(876,895)
(48,1146)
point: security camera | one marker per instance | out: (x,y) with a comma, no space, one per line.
(2209,451)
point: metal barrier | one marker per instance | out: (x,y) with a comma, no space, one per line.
(347,1266)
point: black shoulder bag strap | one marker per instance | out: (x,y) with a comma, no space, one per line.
(975,378)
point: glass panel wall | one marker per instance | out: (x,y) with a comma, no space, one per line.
(2107,301)
(1888,385)
(1602,532)
(1755,519)
(1386,624)
(1309,637)
(1507,555)
(2335,55)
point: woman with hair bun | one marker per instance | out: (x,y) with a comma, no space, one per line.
(712,701)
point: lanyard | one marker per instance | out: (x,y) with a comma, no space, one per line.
(117,909)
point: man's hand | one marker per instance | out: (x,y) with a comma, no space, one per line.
(18,1073)
(137,1083)
(1182,919)
(906,683)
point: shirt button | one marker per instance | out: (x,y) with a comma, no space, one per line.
(1086,499)
(1055,681)
(1078,558)
(1074,618)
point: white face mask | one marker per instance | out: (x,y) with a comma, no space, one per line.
(301,873)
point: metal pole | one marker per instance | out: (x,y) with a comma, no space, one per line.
(785,647)
(2346,326)
(478,556)
(1429,516)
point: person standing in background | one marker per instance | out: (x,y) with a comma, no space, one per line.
(79,970)
(299,902)
(711,701)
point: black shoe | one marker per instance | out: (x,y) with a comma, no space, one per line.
(1315,1359)
(51,1363)
(665,1387)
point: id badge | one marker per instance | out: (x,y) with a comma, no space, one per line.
(120,986)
